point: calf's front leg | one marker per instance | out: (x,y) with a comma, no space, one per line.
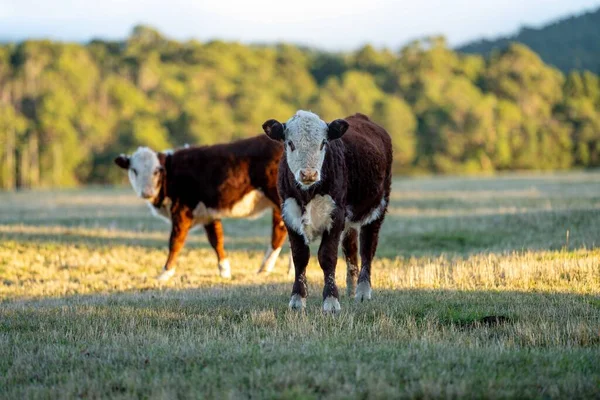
(301,255)
(181,222)
(328,260)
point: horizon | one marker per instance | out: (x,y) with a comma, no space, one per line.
(56,27)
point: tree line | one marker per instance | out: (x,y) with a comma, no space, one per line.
(67,109)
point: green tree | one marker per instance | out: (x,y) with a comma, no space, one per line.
(68,109)
(396,116)
(12,128)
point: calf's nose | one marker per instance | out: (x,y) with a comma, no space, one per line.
(147,193)
(308,175)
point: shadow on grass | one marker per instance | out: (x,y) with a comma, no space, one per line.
(400,236)
(196,240)
(500,214)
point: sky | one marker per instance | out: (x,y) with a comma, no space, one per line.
(326,24)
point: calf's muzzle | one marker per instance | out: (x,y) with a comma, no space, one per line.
(309,175)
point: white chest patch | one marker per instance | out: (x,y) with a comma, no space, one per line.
(252,205)
(315,220)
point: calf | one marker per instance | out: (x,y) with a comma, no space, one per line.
(201,185)
(335,181)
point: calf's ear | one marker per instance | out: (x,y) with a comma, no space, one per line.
(122,161)
(336,129)
(274,129)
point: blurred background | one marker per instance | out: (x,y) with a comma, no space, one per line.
(463,87)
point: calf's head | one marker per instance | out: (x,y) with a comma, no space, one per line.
(146,169)
(305,137)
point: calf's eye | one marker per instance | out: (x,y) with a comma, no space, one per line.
(134,171)
(291,145)
(323,143)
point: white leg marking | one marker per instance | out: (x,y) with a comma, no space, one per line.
(269,261)
(363,291)
(291,267)
(166,275)
(331,305)
(224,269)
(297,302)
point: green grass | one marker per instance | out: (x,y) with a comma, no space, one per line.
(477,293)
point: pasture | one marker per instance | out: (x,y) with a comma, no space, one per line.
(483,287)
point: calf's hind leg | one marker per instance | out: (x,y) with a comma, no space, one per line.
(214,233)
(278,234)
(350,249)
(369,236)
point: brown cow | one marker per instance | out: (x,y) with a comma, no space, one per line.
(334,180)
(201,185)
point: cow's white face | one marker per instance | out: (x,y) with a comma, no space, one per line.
(305,145)
(144,170)
(305,137)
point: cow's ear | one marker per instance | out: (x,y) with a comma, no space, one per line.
(274,129)
(336,129)
(122,161)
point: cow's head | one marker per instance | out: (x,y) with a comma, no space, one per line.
(146,170)
(305,137)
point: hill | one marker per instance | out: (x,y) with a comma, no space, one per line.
(570,43)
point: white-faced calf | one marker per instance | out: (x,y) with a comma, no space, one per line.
(335,181)
(201,185)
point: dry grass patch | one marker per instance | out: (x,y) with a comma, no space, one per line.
(466,303)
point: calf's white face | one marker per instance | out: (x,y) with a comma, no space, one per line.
(144,170)
(305,142)
(305,137)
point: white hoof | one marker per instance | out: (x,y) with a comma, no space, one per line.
(166,275)
(331,305)
(297,302)
(225,274)
(363,291)
(225,269)
(269,261)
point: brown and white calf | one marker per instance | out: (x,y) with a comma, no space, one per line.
(201,185)
(335,181)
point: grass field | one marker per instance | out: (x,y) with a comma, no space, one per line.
(483,287)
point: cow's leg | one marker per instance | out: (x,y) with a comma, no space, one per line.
(214,233)
(350,249)
(369,235)
(181,222)
(301,255)
(328,259)
(278,234)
